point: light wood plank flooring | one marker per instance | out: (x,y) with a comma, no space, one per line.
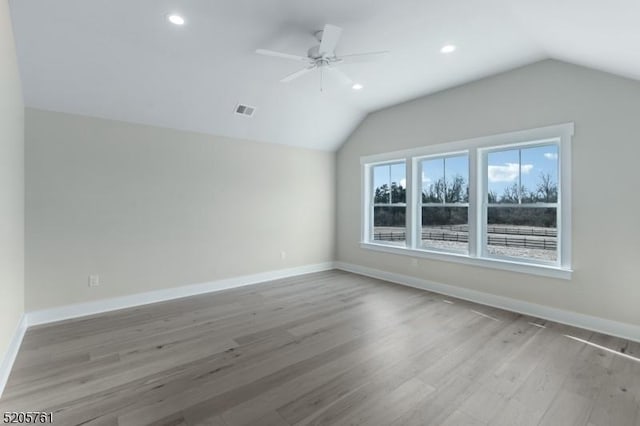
(328,348)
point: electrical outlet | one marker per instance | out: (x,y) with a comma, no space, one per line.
(94,280)
(283,255)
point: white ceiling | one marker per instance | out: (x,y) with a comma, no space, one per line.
(121,59)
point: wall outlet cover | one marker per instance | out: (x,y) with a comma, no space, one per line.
(94,280)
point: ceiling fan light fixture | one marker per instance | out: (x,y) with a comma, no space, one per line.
(357,86)
(176,19)
(448,48)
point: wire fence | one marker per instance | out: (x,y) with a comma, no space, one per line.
(523,230)
(526,239)
(504,229)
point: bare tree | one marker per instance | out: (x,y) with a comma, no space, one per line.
(547,191)
(454,191)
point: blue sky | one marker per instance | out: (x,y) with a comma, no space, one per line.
(381,175)
(449,167)
(503,167)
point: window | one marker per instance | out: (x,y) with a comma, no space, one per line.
(499,201)
(445,203)
(389,204)
(522,203)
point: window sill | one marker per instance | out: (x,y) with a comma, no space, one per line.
(505,265)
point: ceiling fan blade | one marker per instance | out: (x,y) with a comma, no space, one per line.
(330,37)
(344,79)
(363,57)
(297,74)
(266,52)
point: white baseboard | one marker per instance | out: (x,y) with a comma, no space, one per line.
(601,325)
(105,305)
(6,363)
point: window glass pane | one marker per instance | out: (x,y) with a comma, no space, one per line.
(523,176)
(433,181)
(398,183)
(445,180)
(445,227)
(541,182)
(389,224)
(457,179)
(389,208)
(503,173)
(381,184)
(523,232)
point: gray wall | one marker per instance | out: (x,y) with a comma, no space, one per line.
(606,151)
(150,208)
(11,185)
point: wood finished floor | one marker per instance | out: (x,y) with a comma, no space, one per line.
(327,348)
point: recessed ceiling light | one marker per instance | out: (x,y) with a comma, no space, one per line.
(448,48)
(176,19)
(357,86)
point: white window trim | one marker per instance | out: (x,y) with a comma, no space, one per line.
(367,196)
(477,149)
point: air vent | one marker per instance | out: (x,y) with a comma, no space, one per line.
(245,110)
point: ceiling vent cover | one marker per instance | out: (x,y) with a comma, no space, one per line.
(245,110)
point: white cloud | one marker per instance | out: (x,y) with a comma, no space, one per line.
(508,172)
(526,168)
(551,155)
(403,183)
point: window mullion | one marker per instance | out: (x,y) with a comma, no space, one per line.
(417,205)
(519,191)
(389,187)
(481,202)
(473,209)
(444,180)
(410,215)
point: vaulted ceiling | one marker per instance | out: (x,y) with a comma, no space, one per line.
(123,60)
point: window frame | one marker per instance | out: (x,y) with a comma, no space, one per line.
(477,149)
(483,154)
(369,202)
(417,163)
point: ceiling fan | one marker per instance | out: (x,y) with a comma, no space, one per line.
(323,56)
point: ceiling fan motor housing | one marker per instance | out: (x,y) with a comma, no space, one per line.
(314,52)
(320,60)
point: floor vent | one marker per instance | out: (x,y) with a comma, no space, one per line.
(245,110)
